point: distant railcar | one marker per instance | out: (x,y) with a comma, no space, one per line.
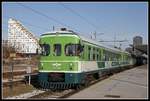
(68,58)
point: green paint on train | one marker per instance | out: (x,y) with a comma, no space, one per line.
(71,56)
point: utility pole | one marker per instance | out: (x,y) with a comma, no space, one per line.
(114,40)
(12,55)
(29,69)
(95,35)
(120,46)
(53,28)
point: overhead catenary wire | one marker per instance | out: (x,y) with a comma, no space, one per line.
(46,16)
(115,41)
(4,26)
(82,17)
(35,26)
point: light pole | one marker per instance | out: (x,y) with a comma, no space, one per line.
(12,55)
(95,34)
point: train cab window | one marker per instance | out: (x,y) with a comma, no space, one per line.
(57,49)
(45,49)
(73,49)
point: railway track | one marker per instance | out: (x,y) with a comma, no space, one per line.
(50,94)
(66,93)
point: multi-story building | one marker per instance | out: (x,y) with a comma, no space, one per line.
(137,40)
(21,39)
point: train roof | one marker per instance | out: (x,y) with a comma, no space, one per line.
(101,45)
(62,32)
(86,39)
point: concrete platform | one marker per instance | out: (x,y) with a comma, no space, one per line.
(129,84)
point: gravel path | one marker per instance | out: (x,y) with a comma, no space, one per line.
(26,95)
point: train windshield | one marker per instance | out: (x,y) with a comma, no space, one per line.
(72,49)
(45,49)
(57,49)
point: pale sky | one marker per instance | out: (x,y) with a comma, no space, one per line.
(123,20)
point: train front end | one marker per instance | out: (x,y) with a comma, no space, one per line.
(59,66)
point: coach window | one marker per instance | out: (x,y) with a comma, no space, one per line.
(107,56)
(83,53)
(93,53)
(115,57)
(89,53)
(97,55)
(57,49)
(45,49)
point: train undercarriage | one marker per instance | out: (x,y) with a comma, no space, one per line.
(61,81)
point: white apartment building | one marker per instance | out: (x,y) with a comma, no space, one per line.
(20,38)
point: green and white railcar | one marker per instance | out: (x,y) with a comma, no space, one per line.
(67,58)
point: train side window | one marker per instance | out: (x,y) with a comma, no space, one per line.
(57,49)
(97,54)
(89,50)
(83,53)
(45,49)
(93,53)
(106,56)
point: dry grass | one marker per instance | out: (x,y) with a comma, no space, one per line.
(17,90)
(21,88)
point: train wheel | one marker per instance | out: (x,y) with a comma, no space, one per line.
(86,83)
(78,87)
(96,76)
(53,89)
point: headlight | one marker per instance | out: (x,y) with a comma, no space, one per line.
(40,65)
(71,66)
